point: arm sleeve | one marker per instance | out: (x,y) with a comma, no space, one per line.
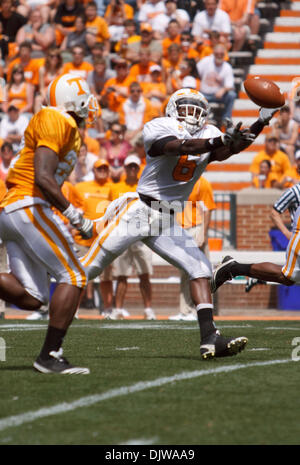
(285,201)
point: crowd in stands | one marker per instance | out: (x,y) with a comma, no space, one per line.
(134,55)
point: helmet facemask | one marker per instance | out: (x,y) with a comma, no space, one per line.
(191,113)
(87,109)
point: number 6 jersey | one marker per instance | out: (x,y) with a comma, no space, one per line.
(169,177)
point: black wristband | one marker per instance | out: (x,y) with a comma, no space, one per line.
(214,143)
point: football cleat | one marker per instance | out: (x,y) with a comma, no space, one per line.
(58,364)
(222,273)
(215,345)
(253,282)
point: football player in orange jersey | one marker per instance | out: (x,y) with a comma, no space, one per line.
(36,245)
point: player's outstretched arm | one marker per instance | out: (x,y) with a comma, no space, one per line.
(240,139)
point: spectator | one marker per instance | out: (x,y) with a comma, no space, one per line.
(191,7)
(96,27)
(20,93)
(292,175)
(217,80)
(78,65)
(211,19)
(294,100)
(161,21)
(115,15)
(188,47)
(64,18)
(138,149)
(279,160)
(115,6)
(115,150)
(50,70)
(156,89)
(240,14)
(150,9)
(83,170)
(92,144)
(116,89)
(95,195)
(265,178)
(46,7)
(29,65)
(287,131)
(147,41)
(137,255)
(140,71)
(188,77)
(172,36)
(7,154)
(136,111)
(12,127)
(99,76)
(39,34)
(3,47)
(11,20)
(76,37)
(97,51)
(129,36)
(195,219)
(172,62)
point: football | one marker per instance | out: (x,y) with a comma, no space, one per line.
(263,92)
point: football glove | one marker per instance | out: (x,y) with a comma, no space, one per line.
(233,135)
(83,225)
(266,114)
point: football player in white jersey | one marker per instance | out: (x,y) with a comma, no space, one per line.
(178,149)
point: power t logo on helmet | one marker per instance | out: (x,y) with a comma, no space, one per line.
(71,92)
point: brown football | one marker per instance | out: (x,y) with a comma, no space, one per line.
(263,92)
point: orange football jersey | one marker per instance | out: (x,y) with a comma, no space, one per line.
(51,128)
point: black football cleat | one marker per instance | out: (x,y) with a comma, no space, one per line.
(253,282)
(58,364)
(216,345)
(222,273)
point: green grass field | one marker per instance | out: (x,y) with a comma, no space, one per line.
(148,386)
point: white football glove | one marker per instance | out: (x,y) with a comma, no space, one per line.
(83,225)
(266,114)
(234,135)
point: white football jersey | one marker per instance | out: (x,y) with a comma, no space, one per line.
(172,178)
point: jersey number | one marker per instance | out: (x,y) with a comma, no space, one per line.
(184,169)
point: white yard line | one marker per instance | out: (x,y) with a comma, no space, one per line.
(128,348)
(28,417)
(259,348)
(287,328)
(140,442)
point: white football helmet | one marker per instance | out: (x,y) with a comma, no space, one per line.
(71,92)
(189,107)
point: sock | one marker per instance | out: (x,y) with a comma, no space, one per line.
(205,320)
(53,341)
(240,269)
